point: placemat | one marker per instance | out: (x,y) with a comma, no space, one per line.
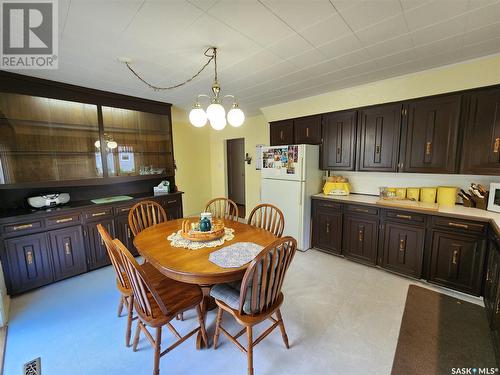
(116,198)
(235,255)
(176,240)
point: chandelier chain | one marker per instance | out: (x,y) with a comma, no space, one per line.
(211,57)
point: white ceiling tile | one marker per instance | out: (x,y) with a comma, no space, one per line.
(255,63)
(410,4)
(366,13)
(434,12)
(353,58)
(483,16)
(307,58)
(390,28)
(341,46)
(486,47)
(447,28)
(450,44)
(484,33)
(473,4)
(327,30)
(391,46)
(301,14)
(290,46)
(396,59)
(360,68)
(251,19)
(203,4)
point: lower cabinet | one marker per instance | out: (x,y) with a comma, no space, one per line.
(492,293)
(360,238)
(68,252)
(29,264)
(327,231)
(124,233)
(457,261)
(403,248)
(98,255)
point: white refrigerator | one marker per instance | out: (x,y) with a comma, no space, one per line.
(290,175)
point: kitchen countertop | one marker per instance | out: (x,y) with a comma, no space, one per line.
(457,211)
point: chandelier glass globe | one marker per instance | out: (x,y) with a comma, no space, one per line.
(215,112)
(218,123)
(235,116)
(198,117)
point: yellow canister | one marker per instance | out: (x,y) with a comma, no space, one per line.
(428,194)
(446,196)
(401,193)
(413,193)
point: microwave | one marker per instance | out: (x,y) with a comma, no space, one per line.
(494,197)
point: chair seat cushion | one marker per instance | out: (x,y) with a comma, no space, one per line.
(227,293)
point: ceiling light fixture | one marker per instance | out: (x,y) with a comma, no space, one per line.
(215,112)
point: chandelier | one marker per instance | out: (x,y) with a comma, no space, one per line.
(215,112)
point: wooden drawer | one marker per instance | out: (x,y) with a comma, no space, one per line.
(462,225)
(362,209)
(123,209)
(22,227)
(405,216)
(99,213)
(172,200)
(63,220)
(328,204)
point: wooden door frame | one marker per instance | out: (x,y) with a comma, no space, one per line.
(227,169)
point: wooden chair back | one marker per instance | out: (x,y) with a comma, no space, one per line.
(268,217)
(265,274)
(114,256)
(145,214)
(222,208)
(142,288)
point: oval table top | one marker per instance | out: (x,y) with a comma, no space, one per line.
(193,266)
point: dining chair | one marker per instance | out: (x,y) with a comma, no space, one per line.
(222,208)
(268,217)
(258,296)
(145,214)
(158,304)
(122,281)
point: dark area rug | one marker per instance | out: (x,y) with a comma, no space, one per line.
(440,333)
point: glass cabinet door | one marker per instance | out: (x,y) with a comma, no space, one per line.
(137,143)
(43,139)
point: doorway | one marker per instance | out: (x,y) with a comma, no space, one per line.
(235,157)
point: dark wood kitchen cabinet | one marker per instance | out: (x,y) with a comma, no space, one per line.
(307,130)
(378,138)
(339,141)
(97,253)
(28,262)
(403,248)
(281,133)
(68,252)
(481,141)
(431,135)
(491,283)
(457,260)
(124,233)
(360,238)
(327,227)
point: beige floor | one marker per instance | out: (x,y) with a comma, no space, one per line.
(341,318)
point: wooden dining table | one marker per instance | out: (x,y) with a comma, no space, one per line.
(193,266)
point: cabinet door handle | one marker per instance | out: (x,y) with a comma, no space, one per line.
(488,280)
(281,134)
(23,226)
(402,245)
(339,150)
(498,307)
(65,220)
(496,145)
(428,148)
(307,132)
(172,201)
(458,225)
(29,257)
(328,227)
(99,213)
(361,210)
(128,233)
(377,149)
(361,235)
(124,209)
(403,216)
(454,258)
(67,248)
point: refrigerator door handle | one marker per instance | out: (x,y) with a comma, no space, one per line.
(301,193)
(302,174)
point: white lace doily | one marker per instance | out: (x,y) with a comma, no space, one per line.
(176,240)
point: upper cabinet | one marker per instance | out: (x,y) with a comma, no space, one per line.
(281,133)
(431,135)
(378,138)
(307,130)
(339,141)
(481,143)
